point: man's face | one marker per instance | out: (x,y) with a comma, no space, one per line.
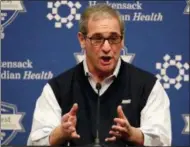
(102,56)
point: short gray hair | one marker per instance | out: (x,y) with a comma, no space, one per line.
(99,10)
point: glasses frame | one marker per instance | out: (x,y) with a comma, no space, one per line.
(104,39)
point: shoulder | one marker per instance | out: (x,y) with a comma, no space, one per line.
(63,80)
(62,84)
(66,76)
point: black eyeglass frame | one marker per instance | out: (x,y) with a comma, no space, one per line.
(104,39)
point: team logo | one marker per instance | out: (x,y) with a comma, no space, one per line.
(176,77)
(187,8)
(10,122)
(127,57)
(57,16)
(186,129)
(9,11)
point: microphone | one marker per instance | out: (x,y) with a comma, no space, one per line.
(97,139)
(98,87)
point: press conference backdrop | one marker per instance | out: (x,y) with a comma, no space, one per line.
(39,41)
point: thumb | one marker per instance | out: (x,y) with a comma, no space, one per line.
(120,112)
(75,135)
(74,109)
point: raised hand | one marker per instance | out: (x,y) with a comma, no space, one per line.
(67,129)
(122,129)
(69,121)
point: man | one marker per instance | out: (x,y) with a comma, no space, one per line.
(134,108)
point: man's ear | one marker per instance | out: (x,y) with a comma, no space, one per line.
(81,39)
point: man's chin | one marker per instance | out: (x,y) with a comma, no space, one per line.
(108,69)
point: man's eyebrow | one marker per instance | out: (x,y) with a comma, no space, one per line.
(101,34)
(114,33)
(97,34)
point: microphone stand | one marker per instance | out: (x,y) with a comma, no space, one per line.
(97,139)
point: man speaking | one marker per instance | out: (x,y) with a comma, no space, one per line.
(130,108)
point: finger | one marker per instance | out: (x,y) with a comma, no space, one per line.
(110,139)
(65,117)
(75,135)
(115,133)
(74,109)
(120,122)
(72,119)
(71,129)
(66,125)
(120,112)
(119,129)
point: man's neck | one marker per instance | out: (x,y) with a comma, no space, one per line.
(100,76)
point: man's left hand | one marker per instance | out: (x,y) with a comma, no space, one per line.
(123,130)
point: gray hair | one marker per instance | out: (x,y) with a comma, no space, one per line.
(97,11)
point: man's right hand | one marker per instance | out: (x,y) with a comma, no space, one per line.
(67,129)
(68,123)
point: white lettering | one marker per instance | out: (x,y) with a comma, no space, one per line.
(129,6)
(147,17)
(29,75)
(6,75)
(126,17)
(92,3)
(16,64)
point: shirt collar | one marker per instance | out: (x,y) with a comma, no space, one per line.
(115,73)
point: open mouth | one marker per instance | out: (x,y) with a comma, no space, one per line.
(106,59)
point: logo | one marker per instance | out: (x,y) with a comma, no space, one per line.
(59,19)
(10,122)
(177,65)
(132,11)
(128,101)
(186,129)
(187,8)
(127,57)
(9,11)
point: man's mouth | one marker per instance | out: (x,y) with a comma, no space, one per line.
(106,59)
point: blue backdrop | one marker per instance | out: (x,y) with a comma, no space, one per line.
(39,41)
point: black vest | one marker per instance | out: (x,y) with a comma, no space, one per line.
(131,83)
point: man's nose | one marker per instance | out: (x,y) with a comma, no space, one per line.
(106,47)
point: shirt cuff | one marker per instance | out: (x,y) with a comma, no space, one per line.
(151,139)
(41,137)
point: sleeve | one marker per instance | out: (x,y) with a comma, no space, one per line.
(46,117)
(156,119)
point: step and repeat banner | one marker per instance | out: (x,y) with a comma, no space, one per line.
(39,41)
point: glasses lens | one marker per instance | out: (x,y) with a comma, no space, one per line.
(97,40)
(114,39)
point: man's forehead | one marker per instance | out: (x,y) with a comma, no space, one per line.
(100,16)
(104,26)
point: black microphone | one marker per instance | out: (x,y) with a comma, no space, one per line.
(97,139)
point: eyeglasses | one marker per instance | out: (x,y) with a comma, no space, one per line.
(100,40)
